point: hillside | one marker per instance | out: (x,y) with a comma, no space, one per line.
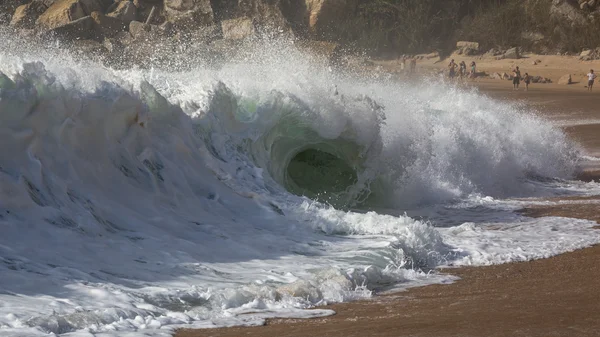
(145,31)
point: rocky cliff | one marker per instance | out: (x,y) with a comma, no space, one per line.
(145,31)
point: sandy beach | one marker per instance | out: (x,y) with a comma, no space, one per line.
(558,296)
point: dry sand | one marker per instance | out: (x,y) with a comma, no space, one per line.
(559,296)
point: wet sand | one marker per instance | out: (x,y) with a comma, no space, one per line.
(558,296)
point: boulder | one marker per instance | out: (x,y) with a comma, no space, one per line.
(124,11)
(64,11)
(143,31)
(26,15)
(540,79)
(496,76)
(237,29)
(139,30)
(107,26)
(7,8)
(431,55)
(83,28)
(61,13)
(512,53)
(434,56)
(493,52)
(586,52)
(467,44)
(565,79)
(468,51)
(584,6)
(273,17)
(592,4)
(121,39)
(186,13)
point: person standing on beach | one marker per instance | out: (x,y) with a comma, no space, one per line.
(462,69)
(527,80)
(413,65)
(452,67)
(591,77)
(516,78)
(472,69)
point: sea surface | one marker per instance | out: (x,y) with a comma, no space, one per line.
(210,194)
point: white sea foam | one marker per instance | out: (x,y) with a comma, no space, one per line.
(140,201)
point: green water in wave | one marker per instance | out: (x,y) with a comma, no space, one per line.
(319,175)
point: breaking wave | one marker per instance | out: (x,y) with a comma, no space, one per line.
(143,199)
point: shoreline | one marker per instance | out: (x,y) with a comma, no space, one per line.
(556,296)
(523,301)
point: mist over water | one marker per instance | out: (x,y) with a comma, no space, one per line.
(142,200)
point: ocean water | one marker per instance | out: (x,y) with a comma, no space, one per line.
(137,201)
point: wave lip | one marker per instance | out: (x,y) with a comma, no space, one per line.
(323,157)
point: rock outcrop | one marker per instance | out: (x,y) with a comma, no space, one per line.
(26,15)
(7,9)
(565,79)
(63,12)
(188,13)
(512,53)
(124,11)
(590,54)
(540,79)
(139,30)
(107,26)
(237,29)
(467,44)
(121,26)
(467,48)
(82,28)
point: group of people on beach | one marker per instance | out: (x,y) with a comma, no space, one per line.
(517,79)
(527,79)
(412,65)
(462,70)
(516,75)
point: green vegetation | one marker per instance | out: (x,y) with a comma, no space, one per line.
(389,27)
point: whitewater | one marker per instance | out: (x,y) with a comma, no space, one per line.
(139,201)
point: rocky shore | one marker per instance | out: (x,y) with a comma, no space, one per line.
(162,33)
(122,33)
